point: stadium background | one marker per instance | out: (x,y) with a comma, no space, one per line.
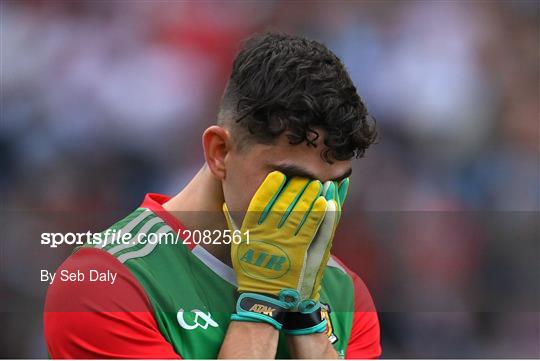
(102,102)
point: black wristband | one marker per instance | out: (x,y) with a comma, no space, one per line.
(300,323)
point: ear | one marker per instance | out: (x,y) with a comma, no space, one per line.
(216,144)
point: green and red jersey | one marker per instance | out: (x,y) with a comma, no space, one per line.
(171,300)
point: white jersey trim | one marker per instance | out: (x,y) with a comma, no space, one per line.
(219,268)
(333,263)
(147,249)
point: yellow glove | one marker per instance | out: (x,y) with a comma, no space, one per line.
(308,319)
(282,220)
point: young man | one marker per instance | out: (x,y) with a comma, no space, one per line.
(290,120)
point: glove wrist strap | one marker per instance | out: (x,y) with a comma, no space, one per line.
(307,320)
(254,307)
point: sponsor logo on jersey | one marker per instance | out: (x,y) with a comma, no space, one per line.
(265,310)
(265,261)
(190,320)
(325,313)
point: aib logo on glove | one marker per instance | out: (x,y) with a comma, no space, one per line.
(260,259)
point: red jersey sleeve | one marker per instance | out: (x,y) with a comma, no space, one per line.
(86,319)
(364,342)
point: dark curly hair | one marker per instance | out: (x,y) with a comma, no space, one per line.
(288,83)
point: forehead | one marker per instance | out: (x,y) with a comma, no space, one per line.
(302,156)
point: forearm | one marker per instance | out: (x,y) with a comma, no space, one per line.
(252,340)
(314,346)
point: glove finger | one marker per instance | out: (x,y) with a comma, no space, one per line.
(329,190)
(342,190)
(313,220)
(303,206)
(337,199)
(285,202)
(264,198)
(316,254)
(322,251)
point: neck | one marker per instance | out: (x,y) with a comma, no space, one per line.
(199,207)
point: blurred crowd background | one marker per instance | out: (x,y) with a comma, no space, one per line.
(102,102)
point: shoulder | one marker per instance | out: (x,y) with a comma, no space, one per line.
(92,272)
(129,232)
(362,295)
(95,308)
